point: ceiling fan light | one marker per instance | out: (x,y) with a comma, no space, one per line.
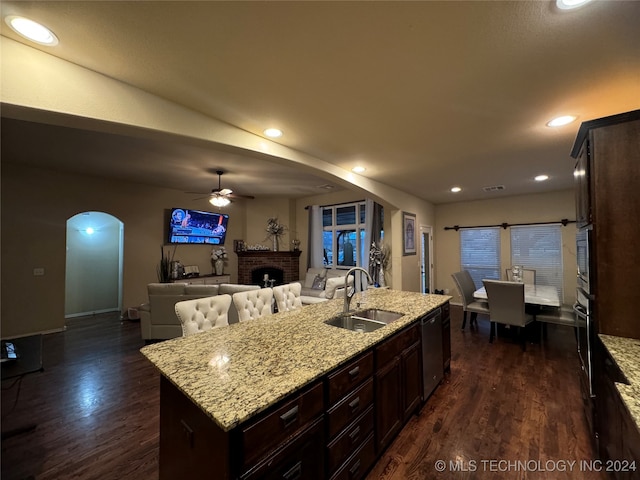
(218,201)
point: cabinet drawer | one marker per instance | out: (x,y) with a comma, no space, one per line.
(344,380)
(396,344)
(261,436)
(300,459)
(347,410)
(358,465)
(349,440)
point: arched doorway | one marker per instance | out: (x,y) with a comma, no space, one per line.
(93,280)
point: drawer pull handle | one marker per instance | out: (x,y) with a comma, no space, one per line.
(355,434)
(353,471)
(355,403)
(354,372)
(294,473)
(289,417)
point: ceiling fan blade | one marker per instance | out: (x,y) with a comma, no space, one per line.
(235,195)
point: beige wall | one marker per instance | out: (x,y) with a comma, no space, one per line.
(36,205)
(548,207)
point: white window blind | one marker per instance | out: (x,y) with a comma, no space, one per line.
(539,247)
(480,253)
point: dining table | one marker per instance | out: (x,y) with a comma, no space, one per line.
(541,295)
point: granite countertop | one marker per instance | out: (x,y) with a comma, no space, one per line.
(626,354)
(232,373)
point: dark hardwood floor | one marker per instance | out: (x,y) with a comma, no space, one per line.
(96,406)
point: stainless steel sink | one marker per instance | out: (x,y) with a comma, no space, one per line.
(364,321)
(356,324)
(377,315)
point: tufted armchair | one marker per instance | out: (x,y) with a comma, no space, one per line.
(253,304)
(288,296)
(203,314)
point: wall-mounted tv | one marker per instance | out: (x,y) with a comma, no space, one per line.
(195,226)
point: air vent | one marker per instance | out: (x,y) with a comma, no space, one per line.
(493,188)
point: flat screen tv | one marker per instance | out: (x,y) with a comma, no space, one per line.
(195,226)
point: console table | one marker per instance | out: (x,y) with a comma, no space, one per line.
(204,280)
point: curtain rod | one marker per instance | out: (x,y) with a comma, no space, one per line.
(564,223)
(337,204)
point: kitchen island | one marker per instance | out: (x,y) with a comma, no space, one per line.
(221,389)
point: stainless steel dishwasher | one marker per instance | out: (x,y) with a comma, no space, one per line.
(432,369)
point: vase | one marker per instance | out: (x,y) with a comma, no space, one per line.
(275,243)
(219,267)
(381,281)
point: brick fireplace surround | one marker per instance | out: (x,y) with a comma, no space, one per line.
(250,260)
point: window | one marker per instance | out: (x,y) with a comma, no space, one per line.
(539,247)
(343,234)
(480,253)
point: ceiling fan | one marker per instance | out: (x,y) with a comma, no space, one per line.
(221,197)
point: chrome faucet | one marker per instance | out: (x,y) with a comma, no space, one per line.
(348,295)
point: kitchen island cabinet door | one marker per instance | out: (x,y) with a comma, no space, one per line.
(190,443)
(389,412)
(411,362)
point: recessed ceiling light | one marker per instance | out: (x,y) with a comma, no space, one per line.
(273,132)
(541,178)
(358,169)
(456,189)
(570,4)
(560,121)
(31,30)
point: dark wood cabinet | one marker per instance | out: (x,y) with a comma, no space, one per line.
(607,198)
(398,383)
(446,337)
(349,418)
(619,437)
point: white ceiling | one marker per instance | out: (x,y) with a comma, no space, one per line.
(426,95)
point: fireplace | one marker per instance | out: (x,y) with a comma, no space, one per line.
(284,267)
(273,276)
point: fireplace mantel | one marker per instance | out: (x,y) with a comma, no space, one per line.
(249,260)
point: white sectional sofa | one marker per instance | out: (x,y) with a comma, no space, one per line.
(322,284)
(158,320)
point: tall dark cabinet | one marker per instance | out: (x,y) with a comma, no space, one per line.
(607,178)
(608,199)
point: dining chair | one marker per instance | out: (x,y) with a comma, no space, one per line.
(528,275)
(559,316)
(506,306)
(253,304)
(202,314)
(466,287)
(288,296)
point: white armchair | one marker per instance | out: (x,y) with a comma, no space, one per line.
(253,304)
(203,314)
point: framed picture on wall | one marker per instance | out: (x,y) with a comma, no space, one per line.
(408,233)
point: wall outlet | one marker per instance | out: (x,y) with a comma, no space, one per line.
(38,272)
(446,291)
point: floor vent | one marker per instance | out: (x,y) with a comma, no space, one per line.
(493,188)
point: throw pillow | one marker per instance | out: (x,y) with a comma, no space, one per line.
(318,283)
